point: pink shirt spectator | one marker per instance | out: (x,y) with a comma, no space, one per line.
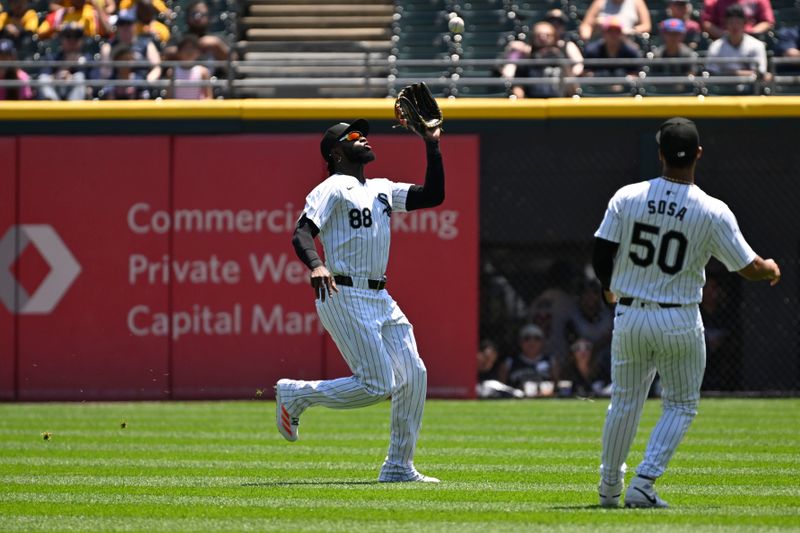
(25,92)
(756,11)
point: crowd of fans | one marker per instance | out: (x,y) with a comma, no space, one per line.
(79,42)
(559,344)
(563,349)
(710,40)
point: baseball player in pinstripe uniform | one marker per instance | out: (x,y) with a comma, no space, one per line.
(650,255)
(351,214)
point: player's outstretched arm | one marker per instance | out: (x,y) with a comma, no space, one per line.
(431,193)
(761,269)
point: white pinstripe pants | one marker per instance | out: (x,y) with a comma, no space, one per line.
(649,339)
(377,342)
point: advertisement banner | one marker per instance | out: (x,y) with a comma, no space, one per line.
(8,252)
(243,315)
(162,267)
(243,310)
(82,335)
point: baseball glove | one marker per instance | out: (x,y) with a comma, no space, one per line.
(416,109)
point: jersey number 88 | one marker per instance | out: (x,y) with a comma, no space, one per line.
(360,218)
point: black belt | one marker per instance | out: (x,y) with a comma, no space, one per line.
(347,281)
(628,301)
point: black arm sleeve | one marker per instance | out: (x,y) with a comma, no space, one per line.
(603,260)
(303,242)
(431,193)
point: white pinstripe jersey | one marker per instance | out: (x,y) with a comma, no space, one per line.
(667,232)
(354,222)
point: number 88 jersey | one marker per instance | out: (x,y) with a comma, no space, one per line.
(354,221)
(667,231)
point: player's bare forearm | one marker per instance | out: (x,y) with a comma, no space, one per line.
(433,134)
(762,269)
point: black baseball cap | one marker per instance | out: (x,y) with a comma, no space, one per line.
(335,132)
(735,11)
(678,140)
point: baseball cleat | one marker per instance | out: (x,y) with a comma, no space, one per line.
(287,424)
(642,495)
(413,477)
(609,494)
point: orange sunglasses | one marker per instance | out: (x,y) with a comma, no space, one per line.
(351,136)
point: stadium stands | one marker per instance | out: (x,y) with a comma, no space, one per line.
(291,44)
(371,48)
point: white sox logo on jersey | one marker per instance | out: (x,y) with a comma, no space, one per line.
(382,198)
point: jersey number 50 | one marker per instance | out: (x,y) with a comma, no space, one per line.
(647,237)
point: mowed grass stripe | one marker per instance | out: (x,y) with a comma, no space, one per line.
(525,465)
(127,501)
(25,523)
(201,485)
(234,454)
(507,466)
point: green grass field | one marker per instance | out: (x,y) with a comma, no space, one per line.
(505,466)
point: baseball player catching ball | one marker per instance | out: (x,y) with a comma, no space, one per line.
(351,214)
(650,254)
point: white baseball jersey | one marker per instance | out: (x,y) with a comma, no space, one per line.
(354,224)
(667,232)
(369,328)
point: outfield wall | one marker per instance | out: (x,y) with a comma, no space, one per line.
(134,189)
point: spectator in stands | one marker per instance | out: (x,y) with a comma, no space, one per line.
(592,319)
(544,45)
(633,16)
(147,24)
(738,44)
(532,370)
(18,22)
(123,52)
(159,5)
(109,7)
(588,373)
(612,46)
(759,17)
(673,32)
(197,21)
(94,21)
(559,20)
(142,46)
(488,357)
(213,47)
(489,384)
(190,71)
(8,52)
(71,49)
(789,46)
(552,308)
(682,9)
